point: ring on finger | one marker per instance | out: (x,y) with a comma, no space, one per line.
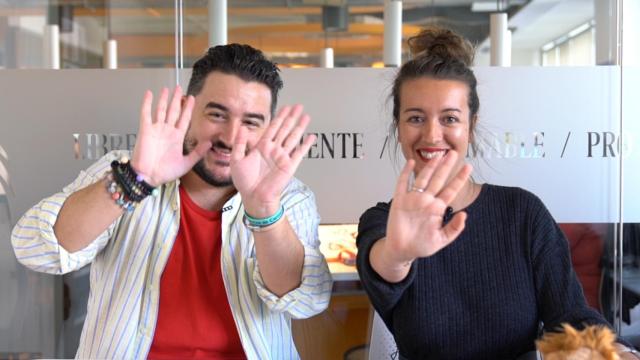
(417,189)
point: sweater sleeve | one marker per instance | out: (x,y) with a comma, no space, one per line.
(384,296)
(559,294)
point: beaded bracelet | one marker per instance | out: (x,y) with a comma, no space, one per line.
(125,186)
(258,224)
(132,182)
(118,194)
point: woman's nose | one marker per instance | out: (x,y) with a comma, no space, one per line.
(432,131)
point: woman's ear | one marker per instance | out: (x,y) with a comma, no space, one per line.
(472,129)
(394,131)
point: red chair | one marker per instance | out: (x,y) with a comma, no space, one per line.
(586,242)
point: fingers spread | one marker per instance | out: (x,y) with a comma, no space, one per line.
(145,111)
(197,153)
(300,151)
(272,129)
(451,190)
(442,172)
(402,185)
(294,137)
(423,178)
(239,145)
(187,111)
(161,108)
(287,124)
(174,107)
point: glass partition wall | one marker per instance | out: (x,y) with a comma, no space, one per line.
(627,294)
(593,150)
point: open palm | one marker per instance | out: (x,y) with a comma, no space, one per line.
(158,151)
(261,173)
(415,226)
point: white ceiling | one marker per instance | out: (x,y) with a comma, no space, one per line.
(542,21)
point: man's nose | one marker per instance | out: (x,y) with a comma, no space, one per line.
(231,130)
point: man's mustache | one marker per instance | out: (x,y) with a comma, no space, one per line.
(221,145)
(191,143)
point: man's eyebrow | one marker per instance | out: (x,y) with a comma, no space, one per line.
(215,105)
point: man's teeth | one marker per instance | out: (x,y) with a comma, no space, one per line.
(222,151)
(432,154)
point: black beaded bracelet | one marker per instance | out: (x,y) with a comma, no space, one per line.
(133,185)
(124,181)
(124,168)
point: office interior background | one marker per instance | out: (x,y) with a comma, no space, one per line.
(41,316)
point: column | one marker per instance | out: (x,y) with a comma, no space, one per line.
(392,33)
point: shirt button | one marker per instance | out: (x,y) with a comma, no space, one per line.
(146,332)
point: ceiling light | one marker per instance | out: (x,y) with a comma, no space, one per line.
(487,6)
(579,30)
(548,46)
(484,6)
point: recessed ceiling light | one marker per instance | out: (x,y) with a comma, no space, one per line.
(484,6)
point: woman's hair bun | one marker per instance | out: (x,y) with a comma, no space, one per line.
(443,43)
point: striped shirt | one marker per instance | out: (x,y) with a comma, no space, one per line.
(128,258)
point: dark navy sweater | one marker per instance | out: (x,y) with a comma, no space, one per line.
(489,293)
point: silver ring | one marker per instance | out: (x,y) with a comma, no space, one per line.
(417,189)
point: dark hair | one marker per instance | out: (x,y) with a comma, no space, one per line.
(439,54)
(247,63)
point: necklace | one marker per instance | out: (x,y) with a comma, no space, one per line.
(467,200)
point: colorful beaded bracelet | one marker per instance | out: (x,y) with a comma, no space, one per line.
(118,194)
(133,183)
(126,187)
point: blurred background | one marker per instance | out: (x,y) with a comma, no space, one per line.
(291,32)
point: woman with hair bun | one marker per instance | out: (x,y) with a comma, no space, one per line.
(457,269)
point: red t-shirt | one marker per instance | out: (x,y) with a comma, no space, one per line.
(194,320)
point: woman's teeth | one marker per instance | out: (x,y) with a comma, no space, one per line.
(432,154)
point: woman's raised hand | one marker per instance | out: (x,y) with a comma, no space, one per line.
(415,226)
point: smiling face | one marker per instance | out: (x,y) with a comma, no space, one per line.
(224,105)
(433,119)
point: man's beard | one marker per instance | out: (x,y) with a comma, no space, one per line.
(201,169)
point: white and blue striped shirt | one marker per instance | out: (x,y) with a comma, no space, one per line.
(128,259)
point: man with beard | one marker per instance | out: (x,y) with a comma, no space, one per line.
(202,244)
